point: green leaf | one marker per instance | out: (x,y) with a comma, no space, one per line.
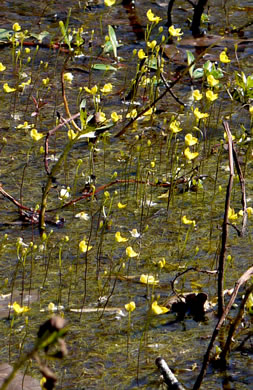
(152,63)
(5,34)
(64,34)
(198,73)
(113,40)
(250,81)
(103,67)
(40,36)
(190,59)
(207,66)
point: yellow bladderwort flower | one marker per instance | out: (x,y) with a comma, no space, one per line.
(148,279)
(19,309)
(157,310)
(175,32)
(68,77)
(35,135)
(149,112)
(16,27)
(175,126)
(25,126)
(141,54)
(232,216)
(190,140)
(161,263)
(200,115)
(130,306)
(210,95)
(249,304)
(187,221)
(212,81)
(152,44)
(121,205)
(197,95)
(71,134)
(152,18)
(83,247)
(115,117)
(119,238)
(226,136)
(130,252)
(132,114)
(109,3)
(8,89)
(2,67)
(100,117)
(92,91)
(251,110)
(224,58)
(107,88)
(190,155)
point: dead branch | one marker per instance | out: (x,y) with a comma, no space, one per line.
(168,376)
(243,279)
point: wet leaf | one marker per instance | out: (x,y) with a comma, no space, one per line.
(103,67)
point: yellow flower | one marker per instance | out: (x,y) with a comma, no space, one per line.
(200,115)
(149,112)
(141,54)
(224,58)
(16,27)
(71,134)
(130,306)
(212,81)
(251,110)
(189,155)
(249,211)
(35,135)
(152,44)
(52,307)
(109,3)
(92,91)
(152,18)
(211,96)
(226,136)
(106,88)
(25,126)
(132,114)
(232,216)
(118,237)
(174,126)
(175,32)
(83,247)
(121,205)
(187,221)
(249,304)
(130,252)
(115,117)
(197,95)
(161,263)
(2,67)
(148,279)
(190,140)
(8,89)
(100,117)
(68,77)
(157,310)
(19,309)
(135,233)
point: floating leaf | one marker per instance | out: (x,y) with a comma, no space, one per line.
(113,40)
(198,73)
(103,67)
(190,59)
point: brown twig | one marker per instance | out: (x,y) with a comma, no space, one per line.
(238,284)
(168,376)
(238,319)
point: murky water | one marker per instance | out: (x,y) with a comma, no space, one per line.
(105,351)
